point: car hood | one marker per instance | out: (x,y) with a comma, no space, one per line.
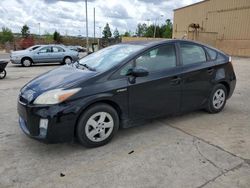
(13,53)
(62,77)
(19,51)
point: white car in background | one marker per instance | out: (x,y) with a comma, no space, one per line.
(44,54)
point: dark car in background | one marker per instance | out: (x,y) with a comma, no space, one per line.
(123,84)
(77,48)
(52,53)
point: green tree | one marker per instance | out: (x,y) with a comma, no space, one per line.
(150,31)
(106,31)
(25,31)
(49,38)
(141,30)
(168,29)
(57,37)
(6,35)
(116,34)
(126,34)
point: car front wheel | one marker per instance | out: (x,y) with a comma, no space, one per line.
(26,62)
(97,125)
(217,99)
(3,74)
(67,60)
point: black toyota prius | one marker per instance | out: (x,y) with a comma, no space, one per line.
(123,84)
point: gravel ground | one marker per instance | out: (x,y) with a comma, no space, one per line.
(192,150)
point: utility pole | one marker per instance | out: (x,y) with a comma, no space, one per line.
(87,34)
(94,24)
(155,29)
(100,29)
(155,24)
(39,30)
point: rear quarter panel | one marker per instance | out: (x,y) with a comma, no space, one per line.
(225,74)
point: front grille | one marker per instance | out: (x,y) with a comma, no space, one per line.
(30,120)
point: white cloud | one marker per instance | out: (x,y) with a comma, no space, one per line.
(68,16)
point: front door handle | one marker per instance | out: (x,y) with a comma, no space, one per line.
(210,71)
(175,80)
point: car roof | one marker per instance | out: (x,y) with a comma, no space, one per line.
(50,45)
(163,41)
(151,43)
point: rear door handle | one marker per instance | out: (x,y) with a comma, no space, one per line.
(175,80)
(210,71)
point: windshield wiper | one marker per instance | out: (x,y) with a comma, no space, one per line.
(81,66)
(77,64)
(88,67)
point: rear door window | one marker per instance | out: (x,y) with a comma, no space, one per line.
(191,53)
(58,49)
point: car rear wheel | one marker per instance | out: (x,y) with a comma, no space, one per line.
(3,74)
(217,99)
(97,125)
(26,62)
(67,60)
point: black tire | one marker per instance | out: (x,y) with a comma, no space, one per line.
(211,108)
(65,60)
(3,74)
(26,62)
(90,112)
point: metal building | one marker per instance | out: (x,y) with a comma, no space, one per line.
(224,24)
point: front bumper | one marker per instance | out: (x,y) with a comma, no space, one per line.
(23,126)
(61,122)
(15,61)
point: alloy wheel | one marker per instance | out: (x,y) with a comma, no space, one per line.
(68,60)
(26,62)
(219,98)
(99,126)
(2,74)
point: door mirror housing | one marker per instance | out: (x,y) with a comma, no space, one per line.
(137,72)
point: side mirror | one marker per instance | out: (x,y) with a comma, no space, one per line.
(137,72)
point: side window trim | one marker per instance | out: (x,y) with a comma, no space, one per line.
(178,54)
(53,49)
(207,55)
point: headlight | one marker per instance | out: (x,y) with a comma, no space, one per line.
(16,57)
(55,96)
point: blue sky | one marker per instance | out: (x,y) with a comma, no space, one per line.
(68,16)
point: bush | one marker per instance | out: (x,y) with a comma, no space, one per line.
(57,37)
(6,35)
(26,42)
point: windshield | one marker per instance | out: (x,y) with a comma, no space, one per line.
(32,48)
(109,57)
